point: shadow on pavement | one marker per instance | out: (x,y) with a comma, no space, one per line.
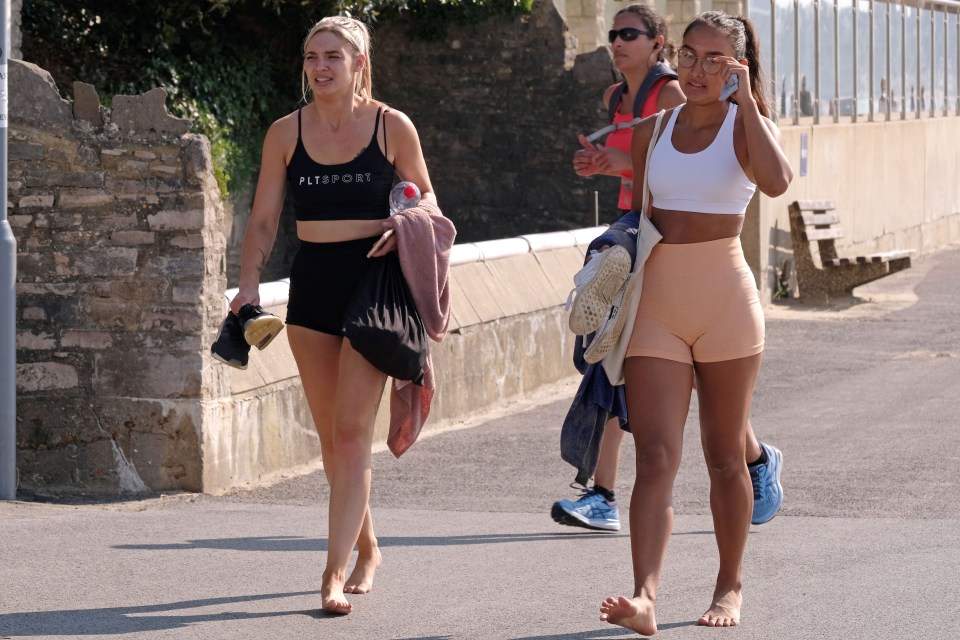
(296,543)
(117,620)
(608,632)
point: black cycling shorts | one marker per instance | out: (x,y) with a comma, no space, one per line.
(322,281)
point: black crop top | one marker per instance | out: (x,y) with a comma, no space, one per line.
(354,190)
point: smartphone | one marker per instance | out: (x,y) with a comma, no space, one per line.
(380,242)
(733,83)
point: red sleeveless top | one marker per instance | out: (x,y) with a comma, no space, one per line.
(622,138)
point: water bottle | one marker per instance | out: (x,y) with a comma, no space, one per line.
(403,196)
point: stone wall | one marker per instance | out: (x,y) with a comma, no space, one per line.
(498,107)
(119,287)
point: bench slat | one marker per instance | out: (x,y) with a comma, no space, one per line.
(811,219)
(873,258)
(815,205)
(884,256)
(823,234)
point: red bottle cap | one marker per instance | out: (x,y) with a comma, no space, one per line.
(409,191)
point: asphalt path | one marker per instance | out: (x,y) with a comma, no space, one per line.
(861,397)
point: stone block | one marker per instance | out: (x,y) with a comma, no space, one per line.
(45,201)
(132,237)
(86,103)
(120,222)
(194,241)
(45,376)
(179,220)
(111,313)
(86,340)
(87,157)
(159,441)
(52,177)
(181,266)
(85,200)
(19,150)
(33,313)
(196,155)
(183,319)
(107,262)
(18,222)
(56,289)
(35,341)
(147,113)
(60,220)
(125,186)
(147,375)
(36,102)
(133,166)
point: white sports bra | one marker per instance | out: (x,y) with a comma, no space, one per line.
(711,181)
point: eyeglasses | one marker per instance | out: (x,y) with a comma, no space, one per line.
(627,34)
(687,60)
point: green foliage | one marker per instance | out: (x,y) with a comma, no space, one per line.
(231,66)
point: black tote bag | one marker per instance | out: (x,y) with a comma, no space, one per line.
(382,322)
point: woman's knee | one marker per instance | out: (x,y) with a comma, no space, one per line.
(726,467)
(657,460)
(351,438)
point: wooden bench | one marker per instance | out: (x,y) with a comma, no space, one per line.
(815,221)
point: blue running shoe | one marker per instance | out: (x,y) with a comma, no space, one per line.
(767,490)
(591,511)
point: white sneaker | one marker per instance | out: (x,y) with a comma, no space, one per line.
(596,285)
(608,333)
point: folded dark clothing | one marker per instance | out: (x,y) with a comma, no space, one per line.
(596,400)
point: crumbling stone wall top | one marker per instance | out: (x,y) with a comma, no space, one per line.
(35,102)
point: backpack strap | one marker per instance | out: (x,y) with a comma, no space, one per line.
(658,71)
(615,97)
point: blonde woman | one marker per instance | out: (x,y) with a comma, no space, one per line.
(336,158)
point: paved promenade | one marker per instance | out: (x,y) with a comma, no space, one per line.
(862,399)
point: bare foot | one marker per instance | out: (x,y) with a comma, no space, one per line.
(361,579)
(725,610)
(636,614)
(331,596)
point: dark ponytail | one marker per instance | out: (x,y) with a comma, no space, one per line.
(752,54)
(743,38)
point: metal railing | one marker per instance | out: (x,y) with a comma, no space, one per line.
(878,49)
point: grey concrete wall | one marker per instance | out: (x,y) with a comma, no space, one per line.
(507,338)
(894,183)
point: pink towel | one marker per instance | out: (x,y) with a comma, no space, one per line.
(424,239)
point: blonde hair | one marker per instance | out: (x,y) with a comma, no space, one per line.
(357,36)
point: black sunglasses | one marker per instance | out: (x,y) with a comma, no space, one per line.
(627,34)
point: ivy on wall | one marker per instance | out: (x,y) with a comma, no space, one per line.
(231,66)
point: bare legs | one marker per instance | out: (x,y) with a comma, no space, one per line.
(725,393)
(658,397)
(343,391)
(608,461)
